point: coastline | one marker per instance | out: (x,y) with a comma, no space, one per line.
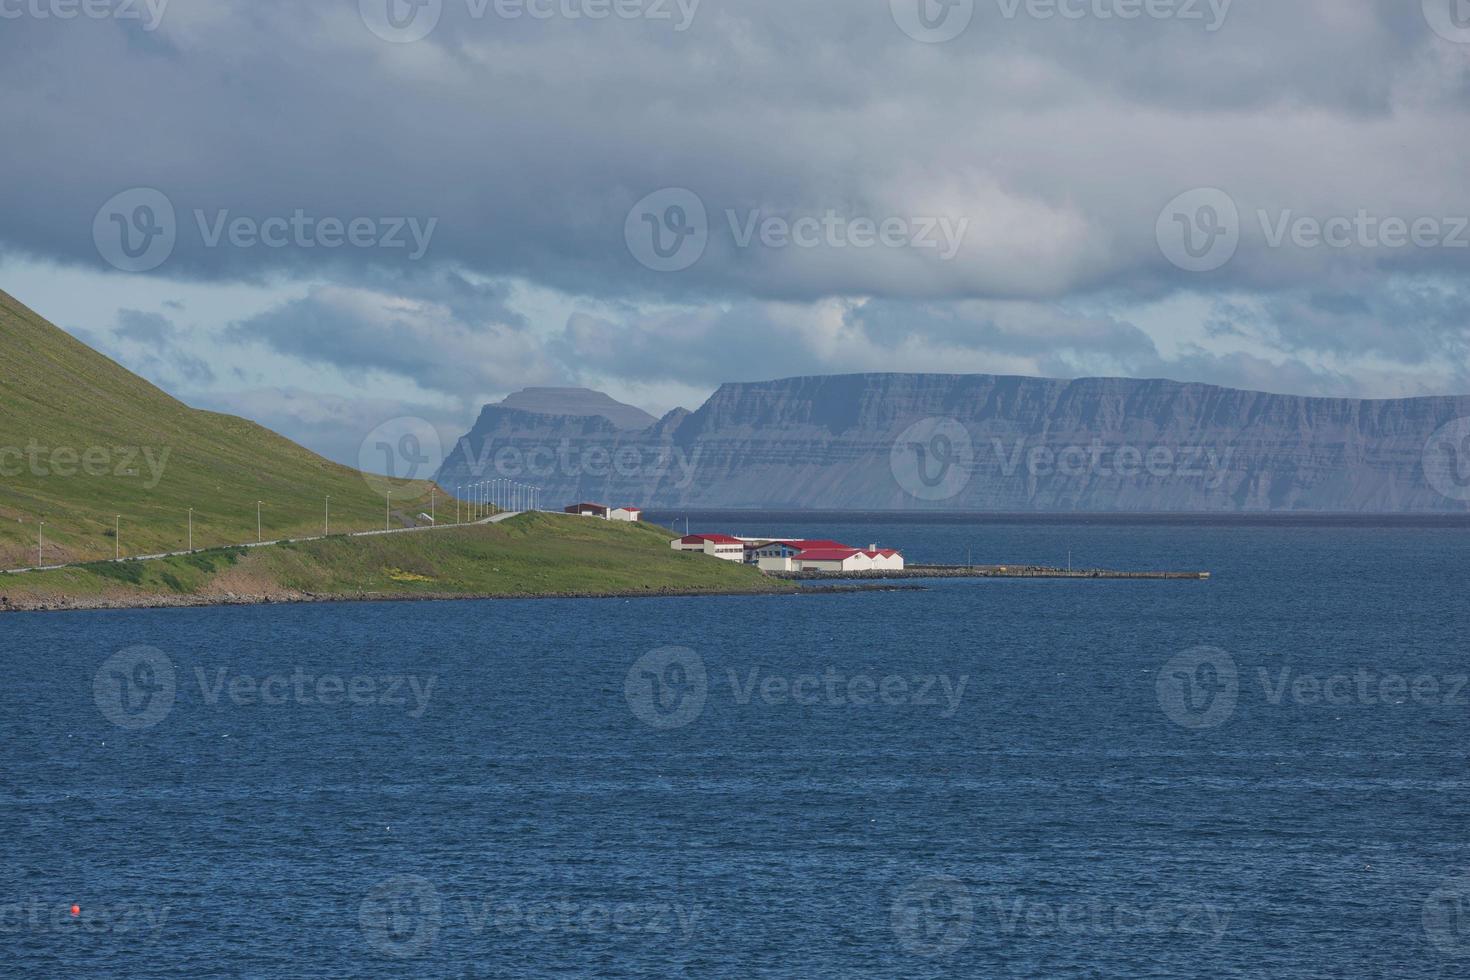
(286,598)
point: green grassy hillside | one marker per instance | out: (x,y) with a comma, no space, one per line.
(83,440)
(534,554)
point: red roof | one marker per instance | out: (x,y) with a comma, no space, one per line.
(587,507)
(712,538)
(881,552)
(630,509)
(828,554)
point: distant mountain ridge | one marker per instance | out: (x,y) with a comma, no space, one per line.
(578,402)
(989,443)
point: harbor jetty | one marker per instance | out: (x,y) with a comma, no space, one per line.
(989,571)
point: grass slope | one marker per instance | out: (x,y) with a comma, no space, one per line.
(534,554)
(58,394)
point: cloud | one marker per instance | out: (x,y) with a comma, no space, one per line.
(362,332)
(332,425)
(1024,165)
(1057,140)
(152,345)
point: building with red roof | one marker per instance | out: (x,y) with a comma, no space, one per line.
(721,546)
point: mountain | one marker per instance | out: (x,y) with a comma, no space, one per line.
(996,444)
(578,403)
(84,442)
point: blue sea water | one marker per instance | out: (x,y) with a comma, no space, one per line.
(1263,775)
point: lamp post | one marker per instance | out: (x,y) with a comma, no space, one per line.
(40,543)
(432,497)
(191,529)
(257,522)
(327,518)
(388,513)
(117,538)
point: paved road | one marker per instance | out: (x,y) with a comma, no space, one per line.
(496,519)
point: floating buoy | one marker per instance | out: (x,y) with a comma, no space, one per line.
(76,910)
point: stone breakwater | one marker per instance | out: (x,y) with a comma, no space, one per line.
(988,571)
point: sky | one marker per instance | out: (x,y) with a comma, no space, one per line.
(327,215)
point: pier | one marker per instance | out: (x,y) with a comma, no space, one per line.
(991,571)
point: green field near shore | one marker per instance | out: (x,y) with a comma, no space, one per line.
(87,447)
(529,555)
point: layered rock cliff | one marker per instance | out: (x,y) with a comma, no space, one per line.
(984,443)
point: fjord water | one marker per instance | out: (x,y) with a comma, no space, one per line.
(1069,795)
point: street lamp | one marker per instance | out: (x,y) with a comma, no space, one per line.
(327,519)
(191,529)
(40,543)
(257,522)
(388,513)
(117,538)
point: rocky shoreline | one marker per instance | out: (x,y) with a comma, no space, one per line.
(287,598)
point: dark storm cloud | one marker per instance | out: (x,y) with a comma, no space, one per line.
(527,141)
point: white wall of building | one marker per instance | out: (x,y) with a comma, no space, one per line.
(727,552)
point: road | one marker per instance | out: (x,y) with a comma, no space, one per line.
(496,519)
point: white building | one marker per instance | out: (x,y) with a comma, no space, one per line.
(720,546)
(847,560)
(630,514)
(772,555)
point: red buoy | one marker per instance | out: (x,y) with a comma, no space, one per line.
(76,910)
